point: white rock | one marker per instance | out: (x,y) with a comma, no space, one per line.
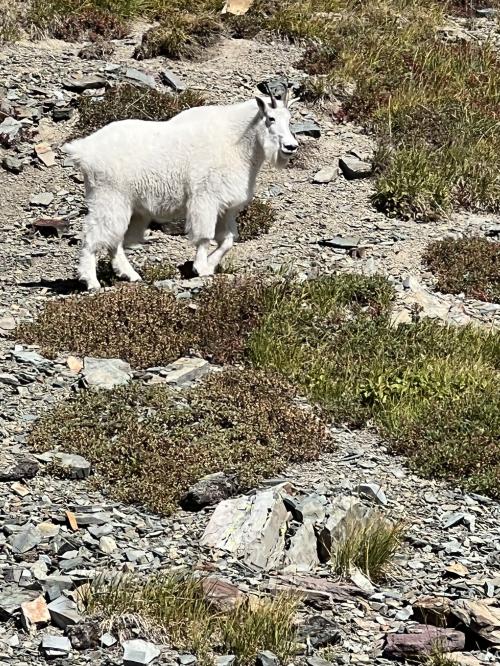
(139,653)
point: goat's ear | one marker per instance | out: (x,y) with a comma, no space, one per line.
(262,106)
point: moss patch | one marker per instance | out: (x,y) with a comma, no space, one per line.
(148,444)
(468,265)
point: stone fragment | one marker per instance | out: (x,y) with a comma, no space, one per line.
(302,552)
(360,580)
(8,379)
(352,167)
(12,164)
(25,540)
(73,465)
(225,660)
(341,242)
(315,589)
(185,370)
(7,324)
(319,632)
(108,640)
(209,490)
(266,658)
(422,641)
(54,586)
(106,372)
(457,569)
(236,7)
(170,80)
(318,661)
(250,527)
(50,226)
(34,613)
(55,646)
(84,636)
(75,364)
(187,659)
(277,86)
(45,154)
(11,599)
(64,612)
(85,83)
(20,489)
(221,594)
(139,77)
(42,199)
(139,653)
(480,617)
(306,128)
(372,491)
(325,175)
(310,510)
(342,511)
(17,468)
(463,659)
(72,521)
(62,113)
(107,545)
(486,12)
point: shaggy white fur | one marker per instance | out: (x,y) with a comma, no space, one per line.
(200,166)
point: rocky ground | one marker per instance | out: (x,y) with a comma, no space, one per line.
(57,533)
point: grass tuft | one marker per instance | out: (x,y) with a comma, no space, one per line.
(369,544)
(180,35)
(468,265)
(148,445)
(256,220)
(173,606)
(128,101)
(432,390)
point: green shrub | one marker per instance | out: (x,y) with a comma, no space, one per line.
(128,101)
(180,35)
(148,445)
(468,265)
(256,220)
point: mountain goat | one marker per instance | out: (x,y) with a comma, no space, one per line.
(200,166)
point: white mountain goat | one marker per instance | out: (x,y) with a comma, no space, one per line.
(200,166)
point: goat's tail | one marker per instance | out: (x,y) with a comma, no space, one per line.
(74,150)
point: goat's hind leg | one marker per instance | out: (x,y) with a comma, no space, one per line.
(226,232)
(122,266)
(201,221)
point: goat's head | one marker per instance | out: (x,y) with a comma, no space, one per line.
(278,141)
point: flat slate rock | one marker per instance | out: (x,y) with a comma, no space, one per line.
(17,468)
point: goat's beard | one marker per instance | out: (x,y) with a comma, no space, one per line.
(273,154)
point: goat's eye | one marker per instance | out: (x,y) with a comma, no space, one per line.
(271,120)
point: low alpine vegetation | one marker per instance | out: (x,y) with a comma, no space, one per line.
(128,101)
(369,544)
(147,326)
(175,607)
(180,35)
(148,445)
(468,265)
(256,220)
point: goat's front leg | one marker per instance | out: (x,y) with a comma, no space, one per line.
(226,233)
(122,266)
(201,221)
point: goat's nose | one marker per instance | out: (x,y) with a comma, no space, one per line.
(291,147)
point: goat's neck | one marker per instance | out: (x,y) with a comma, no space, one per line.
(250,144)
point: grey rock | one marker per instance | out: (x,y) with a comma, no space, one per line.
(106,372)
(54,586)
(266,658)
(74,466)
(55,646)
(311,510)
(86,83)
(84,636)
(64,612)
(185,370)
(25,540)
(11,599)
(107,545)
(139,653)
(325,175)
(421,641)
(225,660)
(18,468)
(302,552)
(317,661)
(139,77)
(319,631)
(250,527)
(29,357)
(62,113)
(486,12)
(342,242)
(108,640)
(277,86)
(210,490)
(12,164)
(8,379)
(352,167)
(42,199)
(306,128)
(170,80)
(187,659)
(372,491)
(7,324)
